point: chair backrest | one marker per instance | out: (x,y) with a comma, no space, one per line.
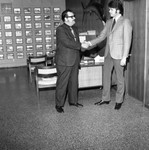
(34,61)
(37,59)
(46,77)
(46,71)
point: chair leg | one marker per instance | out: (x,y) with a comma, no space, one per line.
(37,91)
(30,75)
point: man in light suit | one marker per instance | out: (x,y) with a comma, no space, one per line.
(119,35)
(67,61)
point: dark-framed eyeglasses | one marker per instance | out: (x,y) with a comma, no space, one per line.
(71,16)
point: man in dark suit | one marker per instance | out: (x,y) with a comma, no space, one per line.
(118,31)
(67,61)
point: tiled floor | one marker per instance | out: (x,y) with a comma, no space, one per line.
(27,123)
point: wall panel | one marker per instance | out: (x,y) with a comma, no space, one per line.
(146,94)
(137,59)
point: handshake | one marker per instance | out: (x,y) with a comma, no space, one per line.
(85,45)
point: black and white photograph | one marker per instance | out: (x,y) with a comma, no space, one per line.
(9,48)
(29,54)
(47,32)
(37,10)
(1,41)
(19,48)
(38,25)
(28,33)
(10,56)
(8,34)
(17,18)
(38,32)
(39,53)
(47,17)
(56,24)
(38,40)
(29,40)
(47,24)
(18,25)
(56,10)
(20,55)
(28,25)
(7,26)
(37,17)
(17,10)
(29,47)
(7,18)
(27,10)
(48,39)
(18,33)
(8,41)
(48,46)
(39,47)
(57,17)
(1,49)
(1,55)
(47,10)
(19,41)
(27,18)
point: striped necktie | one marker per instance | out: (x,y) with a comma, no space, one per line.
(72,31)
(113,24)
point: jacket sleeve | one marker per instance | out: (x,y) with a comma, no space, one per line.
(102,36)
(127,37)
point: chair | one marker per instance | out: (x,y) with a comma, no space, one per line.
(34,61)
(45,77)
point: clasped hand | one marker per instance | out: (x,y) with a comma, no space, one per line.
(85,45)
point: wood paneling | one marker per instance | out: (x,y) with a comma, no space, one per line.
(146,99)
(136,66)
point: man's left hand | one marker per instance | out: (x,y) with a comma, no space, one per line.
(85,45)
(123,61)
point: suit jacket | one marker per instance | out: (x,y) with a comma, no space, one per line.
(68,49)
(118,39)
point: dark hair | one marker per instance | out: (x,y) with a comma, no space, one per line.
(64,14)
(116,4)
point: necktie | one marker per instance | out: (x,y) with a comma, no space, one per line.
(113,24)
(73,33)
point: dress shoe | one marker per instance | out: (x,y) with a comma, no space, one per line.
(102,102)
(59,109)
(118,106)
(76,105)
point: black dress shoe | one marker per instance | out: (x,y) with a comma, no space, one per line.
(76,105)
(102,102)
(118,106)
(59,109)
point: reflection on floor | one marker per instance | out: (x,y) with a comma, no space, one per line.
(27,123)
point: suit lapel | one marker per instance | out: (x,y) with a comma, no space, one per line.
(118,23)
(68,30)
